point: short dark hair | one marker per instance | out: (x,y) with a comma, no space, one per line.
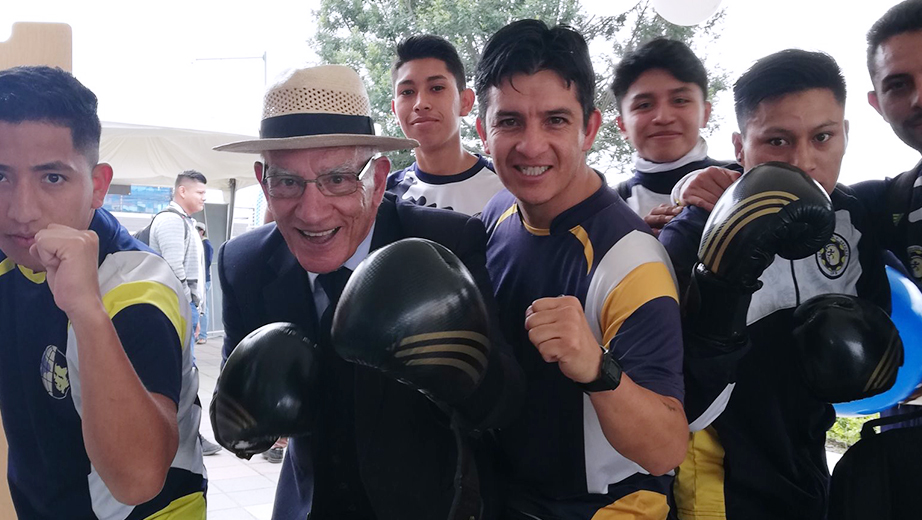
(52,95)
(903,17)
(785,72)
(528,47)
(424,46)
(672,56)
(190,176)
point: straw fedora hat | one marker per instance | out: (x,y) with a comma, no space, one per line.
(317,107)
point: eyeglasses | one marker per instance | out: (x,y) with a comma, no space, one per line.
(330,184)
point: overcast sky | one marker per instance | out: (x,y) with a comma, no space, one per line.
(147,61)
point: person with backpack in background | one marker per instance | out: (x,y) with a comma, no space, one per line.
(172,232)
(173,236)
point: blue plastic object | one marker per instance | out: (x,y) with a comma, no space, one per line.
(906,300)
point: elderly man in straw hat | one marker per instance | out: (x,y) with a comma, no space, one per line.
(379,449)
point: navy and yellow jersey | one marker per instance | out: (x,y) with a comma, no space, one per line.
(602,253)
(49,472)
(466,192)
(764,456)
(645,191)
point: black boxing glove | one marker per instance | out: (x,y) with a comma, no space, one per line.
(773,209)
(413,311)
(847,347)
(265,390)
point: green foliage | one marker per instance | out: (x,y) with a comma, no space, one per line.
(847,431)
(365,34)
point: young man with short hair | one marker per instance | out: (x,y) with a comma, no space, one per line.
(896,73)
(763,457)
(661,91)
(430,98)
(98,390)
(173,236)
(586,294)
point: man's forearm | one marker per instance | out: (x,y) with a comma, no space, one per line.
(647,428)
(130,434)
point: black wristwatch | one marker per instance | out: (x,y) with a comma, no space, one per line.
(609,375)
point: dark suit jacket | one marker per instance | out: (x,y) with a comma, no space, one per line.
(406,452)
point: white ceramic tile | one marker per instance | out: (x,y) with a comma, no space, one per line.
(254,497)
(218,501)
(261,512)
(238,513)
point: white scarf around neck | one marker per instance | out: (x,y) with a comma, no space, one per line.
(699,152)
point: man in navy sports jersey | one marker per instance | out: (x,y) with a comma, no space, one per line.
(430,98)
(97,387)
(586,294)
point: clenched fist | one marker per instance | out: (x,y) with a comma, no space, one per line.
(71,261)
(558,328)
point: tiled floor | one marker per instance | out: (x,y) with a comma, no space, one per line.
(237,489)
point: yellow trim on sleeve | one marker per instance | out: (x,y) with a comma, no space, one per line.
(189,507)
(639,504)
(583,237)
(699,482)
(151,292)
(644,283)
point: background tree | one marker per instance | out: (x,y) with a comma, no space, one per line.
(365,34)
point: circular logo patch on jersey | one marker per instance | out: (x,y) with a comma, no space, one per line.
(54,372)
(833,258)
(915,261)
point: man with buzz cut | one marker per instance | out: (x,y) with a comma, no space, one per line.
(661,91)
(430,98)
(173,236)
(97,387)
(585,292)
(786,303)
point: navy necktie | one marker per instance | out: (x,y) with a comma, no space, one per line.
(338,489)
(333,284)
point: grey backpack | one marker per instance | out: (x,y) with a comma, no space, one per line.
(144,234)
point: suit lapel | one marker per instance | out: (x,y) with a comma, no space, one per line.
(387,225)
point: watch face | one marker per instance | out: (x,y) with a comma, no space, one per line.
(609,377)
(611,371)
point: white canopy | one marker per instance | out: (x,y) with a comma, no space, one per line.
(153,155)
